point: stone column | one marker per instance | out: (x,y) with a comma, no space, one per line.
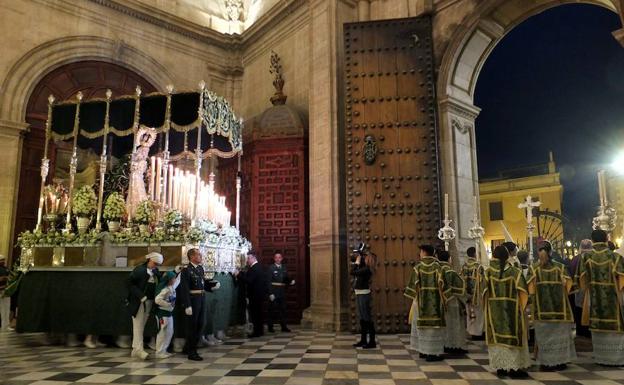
(11,137)
(458,167)
(328,278)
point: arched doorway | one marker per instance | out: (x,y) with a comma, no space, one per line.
(92,78)
(459,70)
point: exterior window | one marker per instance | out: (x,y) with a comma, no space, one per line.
(496,242)
(496,211)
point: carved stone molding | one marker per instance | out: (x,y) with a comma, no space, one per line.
(462,127)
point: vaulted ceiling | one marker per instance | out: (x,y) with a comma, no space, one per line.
(224,16)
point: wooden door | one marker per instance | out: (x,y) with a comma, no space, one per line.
(391,156)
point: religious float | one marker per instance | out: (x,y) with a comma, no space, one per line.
(152,192)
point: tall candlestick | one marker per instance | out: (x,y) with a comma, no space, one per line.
(445,205)
(602,188)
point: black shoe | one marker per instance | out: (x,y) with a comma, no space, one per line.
(517,374)
(547,368)
(501,373)
(370,345)
(254,335)
(420,355)
(562,367)
(432,358)
(460,352)
(270,329)
(195,357)
(360,344)
(285,329)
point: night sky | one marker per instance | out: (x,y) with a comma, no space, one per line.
(555,82)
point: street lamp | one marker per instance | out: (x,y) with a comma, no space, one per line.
(618,164)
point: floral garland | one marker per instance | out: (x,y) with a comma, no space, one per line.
(85,202)
(29,239)
(115,207)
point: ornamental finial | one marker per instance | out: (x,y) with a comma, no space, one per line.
(276,69)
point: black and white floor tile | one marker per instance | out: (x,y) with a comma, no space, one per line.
(298,358)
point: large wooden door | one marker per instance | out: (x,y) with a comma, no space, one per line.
(92,78)
(391,160)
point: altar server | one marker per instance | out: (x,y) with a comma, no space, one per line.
(193,285)
(427,312)
(472,273)
(601,277)
(454,296)
(505,297)
(165,302)
(141,287)
(549,285)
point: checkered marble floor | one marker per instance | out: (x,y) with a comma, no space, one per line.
(298,358)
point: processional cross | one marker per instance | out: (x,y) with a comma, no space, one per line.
(528,204)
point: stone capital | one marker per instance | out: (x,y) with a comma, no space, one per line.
(459,108)
(13,129)
(619,36)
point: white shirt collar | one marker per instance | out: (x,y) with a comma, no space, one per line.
(253,263)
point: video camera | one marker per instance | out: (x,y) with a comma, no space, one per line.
(358,251)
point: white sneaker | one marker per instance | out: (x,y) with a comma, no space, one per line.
(221,335)
(152,344)
(205,342)
(161,356)
(123,342)
(142,355)
(178,345)
(88,342)
(212,340)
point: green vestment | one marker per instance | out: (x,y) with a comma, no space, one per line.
(454,285)
(600,275)
(550,301)
(504,301)
(425,285)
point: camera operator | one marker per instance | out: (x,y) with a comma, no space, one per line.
(362,268)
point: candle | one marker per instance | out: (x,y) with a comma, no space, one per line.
(151,177)
(158,178)
(445,206)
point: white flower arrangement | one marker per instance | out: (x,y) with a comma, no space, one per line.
(173,219)
(146,212)
(115,208)
(84,202)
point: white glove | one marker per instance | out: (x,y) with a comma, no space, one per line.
(292,283)
(272,297)
(188,311)
(217,286)
(143,299)
(178,269)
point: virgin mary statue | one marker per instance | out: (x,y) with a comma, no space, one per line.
(144,139)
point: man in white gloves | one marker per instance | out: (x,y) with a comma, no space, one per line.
(277,292)
(141,291)
(193,284)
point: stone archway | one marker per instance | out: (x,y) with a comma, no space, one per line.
(459,70)
(92,78)
(19,84)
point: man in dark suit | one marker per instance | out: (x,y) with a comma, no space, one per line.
(256,285)
(193,285)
